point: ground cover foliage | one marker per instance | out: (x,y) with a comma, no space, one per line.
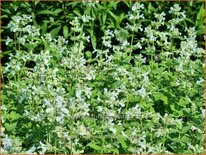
(103,77)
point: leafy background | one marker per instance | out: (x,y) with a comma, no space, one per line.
(161,103)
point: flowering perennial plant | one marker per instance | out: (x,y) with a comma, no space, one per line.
(61,97)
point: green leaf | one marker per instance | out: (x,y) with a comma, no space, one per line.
(77,13)
(123,143)
(36,2)
(65,32)
(201,29)
(34,20)
(28,46)
(160,96)
(151,8)
(45,12)
(189,20)
(187,152)
(4,16)
(200,15)
(57,11)
(10,127)
(14,115)
(127,59)
(113,15)
(184,139)
(185,129)
(104,17)
(88,54)
(115,151)
(128,3)
(172,106)
(94,146)
(93,39)
(112,5)
(44,28)
(55,31)
(182,102)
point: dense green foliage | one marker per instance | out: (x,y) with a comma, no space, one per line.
(103,77)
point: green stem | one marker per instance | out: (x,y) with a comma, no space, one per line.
(20,34)
(55,147)
(15,40)
(131,49)
(72,123)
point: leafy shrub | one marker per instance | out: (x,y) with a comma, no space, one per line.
(103,80)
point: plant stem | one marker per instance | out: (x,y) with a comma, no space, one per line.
(131,44)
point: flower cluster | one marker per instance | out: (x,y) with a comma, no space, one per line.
(60,97)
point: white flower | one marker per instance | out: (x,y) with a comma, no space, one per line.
(83,131)
(193,128)
(8,40)
(114,130)
(121,103)
(78,93)
(203,112)
(88,92)
(200,81)
(87,38)
(84,18)
(31,150)
(136,6)
(145,75)
(64,110)
(142,92)
(22,40)
(123,134)
(144,60)
(7,143)
(13,27)
(176,8)
(133,112)
(18,67)
(124,44)
(138,45)
(99,108)
(50,110)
